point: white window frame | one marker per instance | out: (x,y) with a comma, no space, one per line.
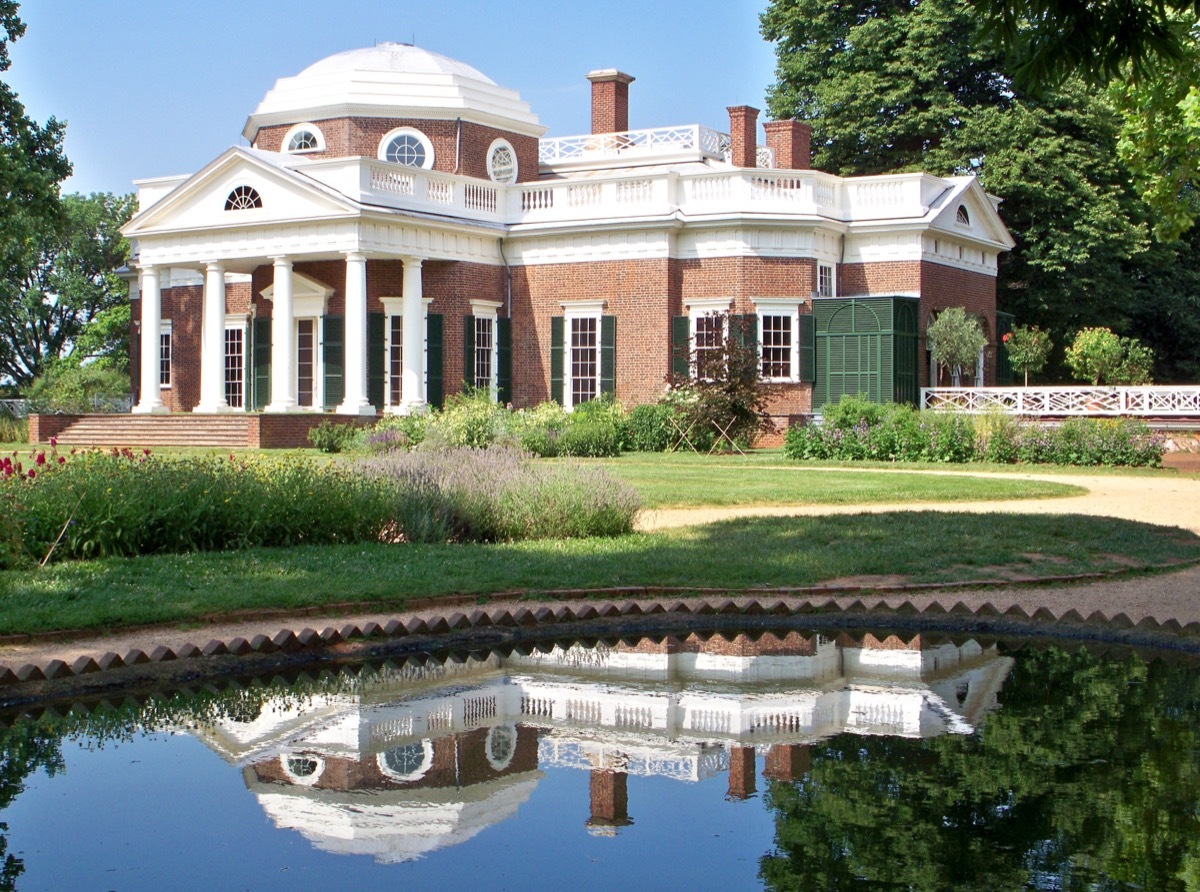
(241,322)
(164,330)
(788,307)
(500,143)
(699,308)
(407,131)
(299,128)
(489,310)
(831,271)
(394,307)
(575,310)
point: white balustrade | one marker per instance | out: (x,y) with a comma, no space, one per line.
(1152,402)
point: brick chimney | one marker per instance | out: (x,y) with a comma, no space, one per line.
(743,129)
(791,141)
(741,766)
(610,100)
(609,799)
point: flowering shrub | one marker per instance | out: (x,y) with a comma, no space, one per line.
(893,432)
(496,494)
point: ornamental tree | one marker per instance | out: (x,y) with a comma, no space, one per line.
(1028,349)
(1100,356)
(955,340)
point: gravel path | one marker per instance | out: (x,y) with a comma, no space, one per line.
(1166,500)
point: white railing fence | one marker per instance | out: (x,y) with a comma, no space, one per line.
(1154,402)
(14,408)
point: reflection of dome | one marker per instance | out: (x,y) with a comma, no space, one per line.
(392,80)
(393,825)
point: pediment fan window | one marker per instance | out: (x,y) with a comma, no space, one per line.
(961,216)
(243,198)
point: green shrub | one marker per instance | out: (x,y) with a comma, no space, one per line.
(330,437)
(852,411)
(78,389)
(13,430)
(649,428)
(590,438)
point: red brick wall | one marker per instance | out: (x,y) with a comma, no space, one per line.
(346,137)
(944,286)
(43,427)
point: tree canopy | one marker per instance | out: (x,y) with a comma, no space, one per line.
(1093,181)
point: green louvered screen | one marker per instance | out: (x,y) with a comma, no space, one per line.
(435,393)
(807,341)
(333,354)
(260,352)
(865,345)
(608,354)
(375,364)
(504,361)
(557,329)
(681,334)
(1004,369)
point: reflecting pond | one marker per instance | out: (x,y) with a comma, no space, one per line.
(782,760)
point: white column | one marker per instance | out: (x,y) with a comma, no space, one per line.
(212,342)
(412,388)
(355,401)
(150,398)
(283,342)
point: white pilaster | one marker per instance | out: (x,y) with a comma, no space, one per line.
(413,356)
(355,401)
(283,343)
(150,397)
(212,341)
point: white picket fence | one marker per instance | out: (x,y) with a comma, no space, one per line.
(1153,402)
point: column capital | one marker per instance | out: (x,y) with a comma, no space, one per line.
(280,259)
(213,266)
(355,255)
(145,267)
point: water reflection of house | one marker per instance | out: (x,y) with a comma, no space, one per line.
(425,757)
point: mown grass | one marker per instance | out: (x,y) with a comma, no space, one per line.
(673,481)
(735,554)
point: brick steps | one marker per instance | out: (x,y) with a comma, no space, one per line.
(159,430)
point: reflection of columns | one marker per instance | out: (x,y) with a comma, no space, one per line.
(741,772)
(283,348)
(212,342)
(413,387)
(609,799)
(355,401)
(150,398)
(787,762)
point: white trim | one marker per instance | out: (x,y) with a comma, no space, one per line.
(394,307)
(407,131)
(416,774)
(500,764)
(488,309)
(309,297)
(788,307)
(311,128)
(165,328)
(302,780)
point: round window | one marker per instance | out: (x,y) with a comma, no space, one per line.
(502,163)
(304,141)
(406,149)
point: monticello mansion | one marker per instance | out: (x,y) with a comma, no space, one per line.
(399,227)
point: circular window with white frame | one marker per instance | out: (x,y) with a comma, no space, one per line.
(304,138)
(407,146)
(502,162)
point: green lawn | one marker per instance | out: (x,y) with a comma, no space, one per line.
(736,554)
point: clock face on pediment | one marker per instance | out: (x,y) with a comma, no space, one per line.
(239,190)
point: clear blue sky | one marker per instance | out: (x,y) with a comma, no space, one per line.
(151,88)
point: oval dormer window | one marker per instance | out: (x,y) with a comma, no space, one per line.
(407,146)
(502,162)
(962,216)
(303,138)
(243,198)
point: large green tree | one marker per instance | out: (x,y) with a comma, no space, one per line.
(69,305)
(32,165)
(899,86)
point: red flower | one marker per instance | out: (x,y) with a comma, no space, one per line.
(54,441)
(32,473)
(61,460)
(41,458)
(1007,337)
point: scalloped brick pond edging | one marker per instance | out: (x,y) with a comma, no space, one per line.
(81,667)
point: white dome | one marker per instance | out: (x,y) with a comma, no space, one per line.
(392,80)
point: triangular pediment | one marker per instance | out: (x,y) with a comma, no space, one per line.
(967,211)
(240,189)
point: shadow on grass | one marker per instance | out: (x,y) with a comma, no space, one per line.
(769,552)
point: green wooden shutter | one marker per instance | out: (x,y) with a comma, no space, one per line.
(504,360)
(608,354)
(375,361)
(806,335)
(435,393)
(333,355)
(260,353)
(744,329)
(681,334)
(468,351)
(557,341)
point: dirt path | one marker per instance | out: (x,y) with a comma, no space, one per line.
(1170,501)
